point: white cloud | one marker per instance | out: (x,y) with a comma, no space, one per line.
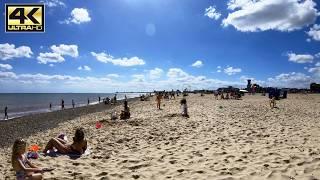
(53,3)
(219,71)
(218,67)
(316,71)
(49,57)
(293,80)
(232,71)
(9,51)
(66,50)
(176,73)
(262,15)
(7,75)
(126,62)
(138,78)
(78,16)
(5,67)
(317,55)
(51,65)
(113,75)
(314,32)
(212,13)
(318,64)
(85,68)
(58,51)
(197,64)
(300,58)
(155,73)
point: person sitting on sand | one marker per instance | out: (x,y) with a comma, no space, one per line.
(184,108)
(273,102)
(21,165)
(79,145)
(125,114)
(158,99)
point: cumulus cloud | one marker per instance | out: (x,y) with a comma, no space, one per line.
(138,78)
(66,50)
(317,64)
(262,15)
(300,58)
(176,73)
(126,62)
(197,64)
(85,68)
(58,51)
(9,51)
(212,13)
(53,3)
(155,73)
(5,67)
(293,80)
(232,71)
(49,57)
(316,71)
(78,16)
(314,32)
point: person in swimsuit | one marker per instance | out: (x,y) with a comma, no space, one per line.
(158,99)
(20,163)
(79,145)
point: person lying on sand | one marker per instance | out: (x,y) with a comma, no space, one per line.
(79,145)
(21,165)
(184,108)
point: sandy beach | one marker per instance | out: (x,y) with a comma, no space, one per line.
(222,139)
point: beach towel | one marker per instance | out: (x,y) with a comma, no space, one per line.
(55,153)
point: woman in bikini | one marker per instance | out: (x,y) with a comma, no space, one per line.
(78,146)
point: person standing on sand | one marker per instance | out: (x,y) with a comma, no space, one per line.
(88,101)
(62,104)
(50,106)
(73,103)
(99,99)
(6,113)
(158,99)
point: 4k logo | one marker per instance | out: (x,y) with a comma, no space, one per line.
(25,18)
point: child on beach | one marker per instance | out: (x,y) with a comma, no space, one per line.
(23,167)
(184,108)
(79,145)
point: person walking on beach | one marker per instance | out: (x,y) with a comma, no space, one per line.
(158,99)
(73,103)
(62,104)
(184,108)
(88,101)
(50,106)
(99,99)
(6,113)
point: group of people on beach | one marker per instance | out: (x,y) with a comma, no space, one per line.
(26,170)
(227,95)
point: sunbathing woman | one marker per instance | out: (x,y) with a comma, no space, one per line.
(79,145)
(23,167)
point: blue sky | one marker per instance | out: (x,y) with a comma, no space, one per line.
(118,45)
